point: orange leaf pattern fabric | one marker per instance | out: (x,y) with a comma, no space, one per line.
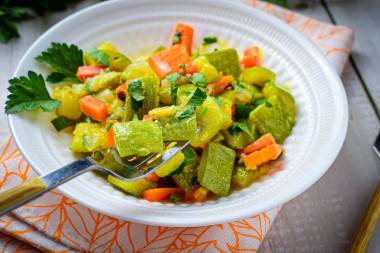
(55,223)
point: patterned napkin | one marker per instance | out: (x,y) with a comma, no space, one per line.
(55,223)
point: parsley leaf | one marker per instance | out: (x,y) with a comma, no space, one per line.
(177,37)
(173,94)
(242,111)
(63,58)
(240,84)
(174,197)
(186,92)
(268,104)
(204,109)
(135,89)
(187,113)
(234,130)
(198,79)
(8,30)
(61,123)
(173,77)
(56,77)
(209,40)
(218,101)
(135,117)
(198,97)
(29,93)
(99,56)
(243,126)
(137,94)
(189,159)
(258,101)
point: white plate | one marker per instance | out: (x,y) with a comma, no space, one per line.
(137,26)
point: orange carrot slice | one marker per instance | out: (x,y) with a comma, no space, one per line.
(220,85)
(84,72)
(263,142)
(169,60)
(148,117)
(186,36)
(153,177)
(262,156)
(252,58)
(198,194)
(110,135)
(160,194)
(204,144)
(93,108)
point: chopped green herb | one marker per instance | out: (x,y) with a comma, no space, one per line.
(186,92)
(99,56)
(242,111)
(198,97)
(108,127)
(239,84)
(61,123)
(259,101)
(215,49)
(135,89)
(218,101)
(209,40)
(137,94)
(234,130)
(204,109)
(198,79)
(194,181)
(173,77)
(174,197)
(135,117)
(189,159)
(56,77)
(177,37)
(29,93)
(187,113)
(63,58)
(173,94)
(184,68)
(243,126)
(268,104)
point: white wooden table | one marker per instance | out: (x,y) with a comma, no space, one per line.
(326,216)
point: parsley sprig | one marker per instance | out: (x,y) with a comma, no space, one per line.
(29,93)
(64,59)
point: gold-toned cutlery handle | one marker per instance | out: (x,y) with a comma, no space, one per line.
(21,192)
(364,233)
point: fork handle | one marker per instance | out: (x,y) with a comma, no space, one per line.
(33,188)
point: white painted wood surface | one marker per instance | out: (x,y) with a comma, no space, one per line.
(325,217)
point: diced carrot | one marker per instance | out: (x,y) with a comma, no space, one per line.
(204,144)
(160,194)
(121,91)
(148,117)
(110,136)
(198,194)
(262,156)
(233,110)
(153,177)
(186,36)
(263,142)
(84,72)
(169,60)
(93,108)
(252,58)
(220,85)
(191,68)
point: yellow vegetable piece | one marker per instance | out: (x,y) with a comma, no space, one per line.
(135,188)
(171,165)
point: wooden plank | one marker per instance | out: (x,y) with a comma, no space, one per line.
(325,217)
(364,17)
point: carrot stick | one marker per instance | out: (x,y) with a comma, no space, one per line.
(169,60)
(110,136)
(93,108)
(263,142)
(160,194)
(204,144)
(153,177)
(262,156)
(186,38)
(220,85)
(84,72)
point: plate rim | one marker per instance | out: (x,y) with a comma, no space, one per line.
(323,62)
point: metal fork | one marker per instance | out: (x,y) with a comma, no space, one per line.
(21,194)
